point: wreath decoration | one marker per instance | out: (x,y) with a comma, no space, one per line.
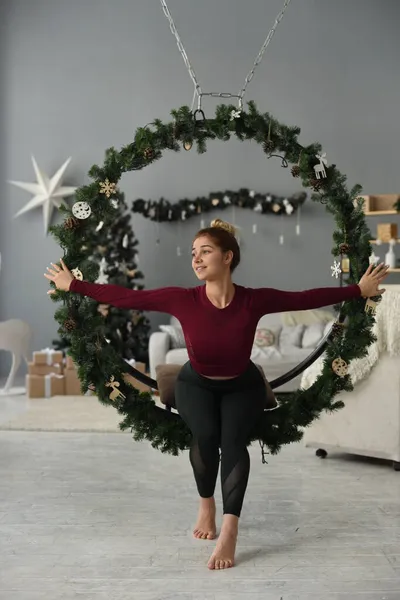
(101,368)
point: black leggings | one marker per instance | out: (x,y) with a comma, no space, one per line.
(222,414)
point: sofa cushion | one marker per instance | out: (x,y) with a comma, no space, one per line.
(176,335)
(313,335)
(307,317)
(265,337)
(291,337)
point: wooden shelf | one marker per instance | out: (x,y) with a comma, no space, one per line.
(396,270)
(377,213)
(376,241)
(380,204)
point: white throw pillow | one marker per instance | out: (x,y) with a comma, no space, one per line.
(291,337)
(313,335)
(176,335)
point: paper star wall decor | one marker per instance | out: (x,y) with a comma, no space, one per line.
(48,193)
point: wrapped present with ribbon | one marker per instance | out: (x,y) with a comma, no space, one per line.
(47,356)
(35,369)
(45,386)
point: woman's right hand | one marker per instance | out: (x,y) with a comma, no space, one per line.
(62,277)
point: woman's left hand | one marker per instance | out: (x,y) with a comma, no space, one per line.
(372,277)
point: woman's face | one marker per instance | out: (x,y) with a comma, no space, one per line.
(208,260)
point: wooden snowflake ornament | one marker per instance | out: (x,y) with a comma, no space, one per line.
(107,188)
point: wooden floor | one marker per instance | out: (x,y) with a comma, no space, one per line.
(97,516)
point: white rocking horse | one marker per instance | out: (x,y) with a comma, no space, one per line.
(15,337)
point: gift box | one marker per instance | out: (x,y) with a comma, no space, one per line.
(45,386)
(69,363)
(41,370)
(72,383)
(48,356)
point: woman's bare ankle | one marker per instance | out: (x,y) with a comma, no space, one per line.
(230,523)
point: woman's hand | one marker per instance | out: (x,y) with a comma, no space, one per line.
(372,277)
(61,277)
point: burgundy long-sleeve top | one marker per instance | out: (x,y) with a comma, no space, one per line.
(219,340)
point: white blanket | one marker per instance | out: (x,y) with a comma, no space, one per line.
(386,328)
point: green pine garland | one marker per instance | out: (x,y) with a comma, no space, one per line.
(100,365)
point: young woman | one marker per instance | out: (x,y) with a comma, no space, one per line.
(220,393)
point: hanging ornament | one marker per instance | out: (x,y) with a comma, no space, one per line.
(298,232)
(215,201)
(107,188)
(252,193)
(199,209)
(337,330)
(103,277)
(115,393)
(370,306)
(81,210)
(114,203)
(319,169)
(100,226)
(340,367)
(295,170)
(192,207)
(255,228)
(373,259)
(148,153)
(226,200)
(103,309)
(152,212)
(258,207)
(336,270)
(276,208)
(316,184)
(77,274)
(70,324)
(71,223)
(187,144)
(48,192)
(268,198)
(268,144)
(183,215)
(235,114)
(125,241)
(169,215)
(136,317)
(344,248)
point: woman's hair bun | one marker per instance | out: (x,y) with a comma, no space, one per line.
(218,223)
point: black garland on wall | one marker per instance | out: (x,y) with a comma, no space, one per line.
(163,210)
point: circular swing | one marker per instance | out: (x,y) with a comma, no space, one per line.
(100,367)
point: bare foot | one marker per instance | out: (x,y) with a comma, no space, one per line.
(223,556)
(205,528)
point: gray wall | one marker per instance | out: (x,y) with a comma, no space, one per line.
(81,75)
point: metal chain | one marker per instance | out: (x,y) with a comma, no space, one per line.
(197,89)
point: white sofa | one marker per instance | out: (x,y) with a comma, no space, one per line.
(369,423)
(275,361)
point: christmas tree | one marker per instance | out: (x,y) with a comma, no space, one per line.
(114,249)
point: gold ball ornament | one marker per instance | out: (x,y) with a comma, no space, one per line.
(340,367)
(77,274)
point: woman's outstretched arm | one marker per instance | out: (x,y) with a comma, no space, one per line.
(165,299)
(270,300)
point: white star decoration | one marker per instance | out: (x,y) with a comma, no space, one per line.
(48,193)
